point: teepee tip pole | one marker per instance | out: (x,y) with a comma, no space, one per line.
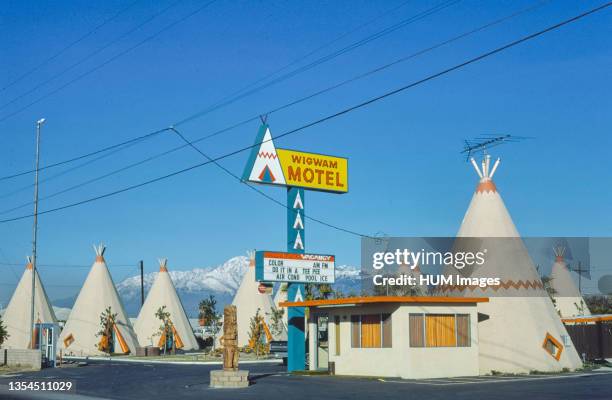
(494,167)
(476,167)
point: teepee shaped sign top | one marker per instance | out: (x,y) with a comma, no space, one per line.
(272,166)
(266,166)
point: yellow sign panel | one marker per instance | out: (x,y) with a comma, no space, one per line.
(314,171)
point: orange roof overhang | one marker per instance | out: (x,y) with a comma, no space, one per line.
(593,318)
(383,300)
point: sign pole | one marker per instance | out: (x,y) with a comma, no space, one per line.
(295,170)
(296,240)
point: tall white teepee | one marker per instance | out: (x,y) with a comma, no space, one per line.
(568,299)
(17,315)
(163,293)
(248,299)
(80,334)
(519,328)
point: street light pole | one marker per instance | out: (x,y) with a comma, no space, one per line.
(35,230)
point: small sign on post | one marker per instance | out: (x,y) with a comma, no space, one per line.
(276,266)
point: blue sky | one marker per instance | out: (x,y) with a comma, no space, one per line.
(406,174)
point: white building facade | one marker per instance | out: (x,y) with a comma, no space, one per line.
(404,337)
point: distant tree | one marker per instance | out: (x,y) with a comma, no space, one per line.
(325,290)
(599,304)
(276,321)
(318,291)
(209,318)
(107,324)
(397,290)
(3,332)
(257,334)
(165,329)
(309,291)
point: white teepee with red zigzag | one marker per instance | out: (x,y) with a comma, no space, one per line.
(17,316)
(520,330)
(568,299)
(249,297)
(80,335)
(147,325)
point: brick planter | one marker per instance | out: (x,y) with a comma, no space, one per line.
(229,379)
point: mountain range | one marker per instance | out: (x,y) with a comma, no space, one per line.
(197,284)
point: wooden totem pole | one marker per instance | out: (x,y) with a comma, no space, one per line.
(230,339)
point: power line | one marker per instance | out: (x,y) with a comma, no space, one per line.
(260,192)
(62,173)
(68,47)
(127,167)
(293,73)
(59,265)
(108,61)
(86,155)
(285,106)
(322,60)
(89,56)
(328,117)
(303,57)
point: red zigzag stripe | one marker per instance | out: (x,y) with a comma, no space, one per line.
(505,285)
(265,154)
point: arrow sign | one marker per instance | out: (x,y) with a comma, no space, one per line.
(298,224)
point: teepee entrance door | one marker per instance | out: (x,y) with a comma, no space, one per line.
(169,340)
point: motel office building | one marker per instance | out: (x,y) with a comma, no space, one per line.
(407,337)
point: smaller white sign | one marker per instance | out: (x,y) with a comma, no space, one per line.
(273,266)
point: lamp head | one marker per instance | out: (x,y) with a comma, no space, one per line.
(40,121)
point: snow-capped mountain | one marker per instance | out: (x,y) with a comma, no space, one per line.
(197,284)
(223,279)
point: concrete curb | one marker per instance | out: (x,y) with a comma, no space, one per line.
(144,361)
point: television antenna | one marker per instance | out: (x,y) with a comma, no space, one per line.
(485,142)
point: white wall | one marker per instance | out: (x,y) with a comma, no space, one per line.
(401,360)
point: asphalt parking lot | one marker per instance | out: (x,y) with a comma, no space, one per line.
(112,380)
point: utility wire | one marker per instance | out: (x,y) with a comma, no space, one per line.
(89,56)
(330,116)
(292,103)
(86,155)
(108,61)
(125,168)
(293,73)
(62,173)
(303,57)
(260,192)
(68,47)
(56,265)
(321,60)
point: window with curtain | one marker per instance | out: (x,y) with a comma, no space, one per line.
(439,330)
(371,330)
(463,330)
(417,330)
